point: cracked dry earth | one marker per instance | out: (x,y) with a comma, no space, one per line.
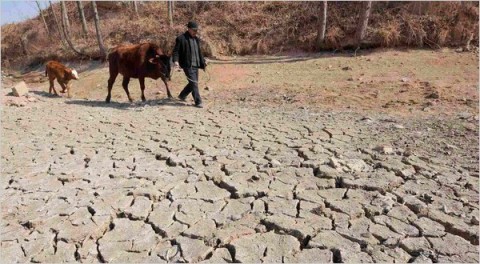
(169,183)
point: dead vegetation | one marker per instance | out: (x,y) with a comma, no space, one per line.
(241,28)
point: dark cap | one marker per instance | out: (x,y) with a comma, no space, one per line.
(192,25)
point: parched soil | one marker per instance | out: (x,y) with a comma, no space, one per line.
(290,161)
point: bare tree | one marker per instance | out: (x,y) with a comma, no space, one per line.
(467,45)
(59,30)
(103,52)
(43,18)
(82,17)
(65,22)
(24,41)
(66,33)
(417,8)
(170,13)
(363,22)
(322,24)
(55,18)
(135,8)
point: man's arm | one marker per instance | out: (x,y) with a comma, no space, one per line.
(204,61)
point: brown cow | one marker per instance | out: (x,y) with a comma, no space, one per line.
(56,70)
(138,61)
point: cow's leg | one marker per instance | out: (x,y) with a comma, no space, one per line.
(111,80)
(125,82)
(168,90)
(68,90)
(142,87)
(67,86)
(51,85)
(64,87)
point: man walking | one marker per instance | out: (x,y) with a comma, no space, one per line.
(188,56)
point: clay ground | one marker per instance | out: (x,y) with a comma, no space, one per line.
(327,158)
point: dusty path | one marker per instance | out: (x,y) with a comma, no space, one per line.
(89,182)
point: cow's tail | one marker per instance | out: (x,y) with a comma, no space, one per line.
(46,71)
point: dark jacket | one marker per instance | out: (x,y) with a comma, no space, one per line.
(182,53)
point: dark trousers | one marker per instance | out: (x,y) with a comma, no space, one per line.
(192,86)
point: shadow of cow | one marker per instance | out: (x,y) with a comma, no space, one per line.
(127,105)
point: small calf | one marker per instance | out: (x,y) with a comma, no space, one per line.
(56,70)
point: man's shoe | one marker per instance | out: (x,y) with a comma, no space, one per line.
(200,105)
(182,98)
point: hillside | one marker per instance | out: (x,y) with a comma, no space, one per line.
(244,28)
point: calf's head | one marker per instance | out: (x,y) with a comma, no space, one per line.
(71,74)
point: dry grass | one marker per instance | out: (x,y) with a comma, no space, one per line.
(389,34)
(241,28)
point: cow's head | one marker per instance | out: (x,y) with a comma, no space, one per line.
(164,61)
(157,57)
(71,74)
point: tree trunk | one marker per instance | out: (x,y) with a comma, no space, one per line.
(103,52)
(417,8)
(363,22)
(67,36)
(193,9)
(135,8)
(467,46)
(65,22)
(322,25)
(59,30)
(82,17)
(56,19)
(43,19)
(170,13)
(24,42)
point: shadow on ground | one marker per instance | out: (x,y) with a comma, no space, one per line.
(46,94)
(292,58)
(128,105)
